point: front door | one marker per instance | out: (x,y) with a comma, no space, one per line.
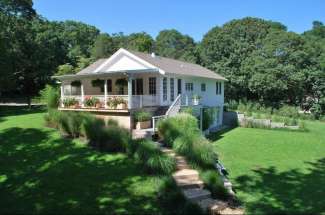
(137,86)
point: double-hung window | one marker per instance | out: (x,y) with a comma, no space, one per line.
(189,87)
(165,89)
(152,86)
(203,87)
(172,91)
(218,88)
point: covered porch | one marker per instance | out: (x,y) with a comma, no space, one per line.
(113,91)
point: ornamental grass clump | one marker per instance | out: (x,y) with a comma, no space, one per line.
(149,154)
(173,127)
(214,183)
(52,118)
(70,123)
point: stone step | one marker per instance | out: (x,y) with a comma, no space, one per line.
(167,150)
(182,166)
(189,174)
(187,184)
(206,204)
(196,194)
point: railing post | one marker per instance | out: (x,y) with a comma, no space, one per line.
(62,94)
(141,101)
(82,95)
(129,92)
(105,93)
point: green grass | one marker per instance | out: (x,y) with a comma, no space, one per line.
(276,171)
(40,172)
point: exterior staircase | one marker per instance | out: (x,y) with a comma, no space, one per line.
(193,188)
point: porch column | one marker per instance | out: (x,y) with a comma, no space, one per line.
(62,94)
(105,93)
(130,92)
(82,95)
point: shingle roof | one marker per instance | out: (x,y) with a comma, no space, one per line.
(178,67)
(167,64)
(92,67)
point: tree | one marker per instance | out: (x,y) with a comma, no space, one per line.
(224,49)
(103,46)
(141,42)
(173,44)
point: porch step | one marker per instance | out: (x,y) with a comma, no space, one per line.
(186,174)
(189,183)
(196,194)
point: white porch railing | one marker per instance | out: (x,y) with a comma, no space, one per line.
(137,101)
(172,111)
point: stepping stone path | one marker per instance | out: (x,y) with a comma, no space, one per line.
(192,187)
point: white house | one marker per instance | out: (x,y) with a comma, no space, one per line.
(141,81)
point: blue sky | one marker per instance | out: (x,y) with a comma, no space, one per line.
(191,17)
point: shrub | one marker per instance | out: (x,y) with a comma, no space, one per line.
(141,116)
(214,183)
(173,127)
(152,157)
(208,116)
(232,105)
(92,128)
(203,152)
(50,96)
(70,123)
(188,110)
(288,111)
(113,139)
(52,118)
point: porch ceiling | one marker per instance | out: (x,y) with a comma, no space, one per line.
(104,74)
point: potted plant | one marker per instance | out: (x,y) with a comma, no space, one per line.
(70,103)
(142,119)
(98,83)
(76,83)
(117,103)
(121,83)
(91,101)
(196,99)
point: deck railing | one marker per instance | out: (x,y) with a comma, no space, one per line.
(137,101)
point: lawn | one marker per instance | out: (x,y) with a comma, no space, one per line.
(41,172)
(276,171)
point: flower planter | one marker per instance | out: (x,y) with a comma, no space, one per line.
(143,125)
(195,101)
(121,106)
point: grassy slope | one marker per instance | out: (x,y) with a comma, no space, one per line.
(276,171)
(41,172)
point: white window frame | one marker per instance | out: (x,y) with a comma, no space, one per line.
(189,87)
(164,89)
(152,86)
(203,87)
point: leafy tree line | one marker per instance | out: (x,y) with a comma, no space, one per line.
(261,59)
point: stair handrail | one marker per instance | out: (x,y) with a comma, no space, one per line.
(173,105)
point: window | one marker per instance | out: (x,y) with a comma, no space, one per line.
(109,85)
(218,88)
(165,89)
(179,86)
(189,87)
(71,90)
(139,86)
(172,93)
(152,86)
(203,87)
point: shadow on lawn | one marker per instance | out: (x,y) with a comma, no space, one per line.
(41,172)
(219,134)
(290,192)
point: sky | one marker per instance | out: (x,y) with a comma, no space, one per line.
(192,17)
